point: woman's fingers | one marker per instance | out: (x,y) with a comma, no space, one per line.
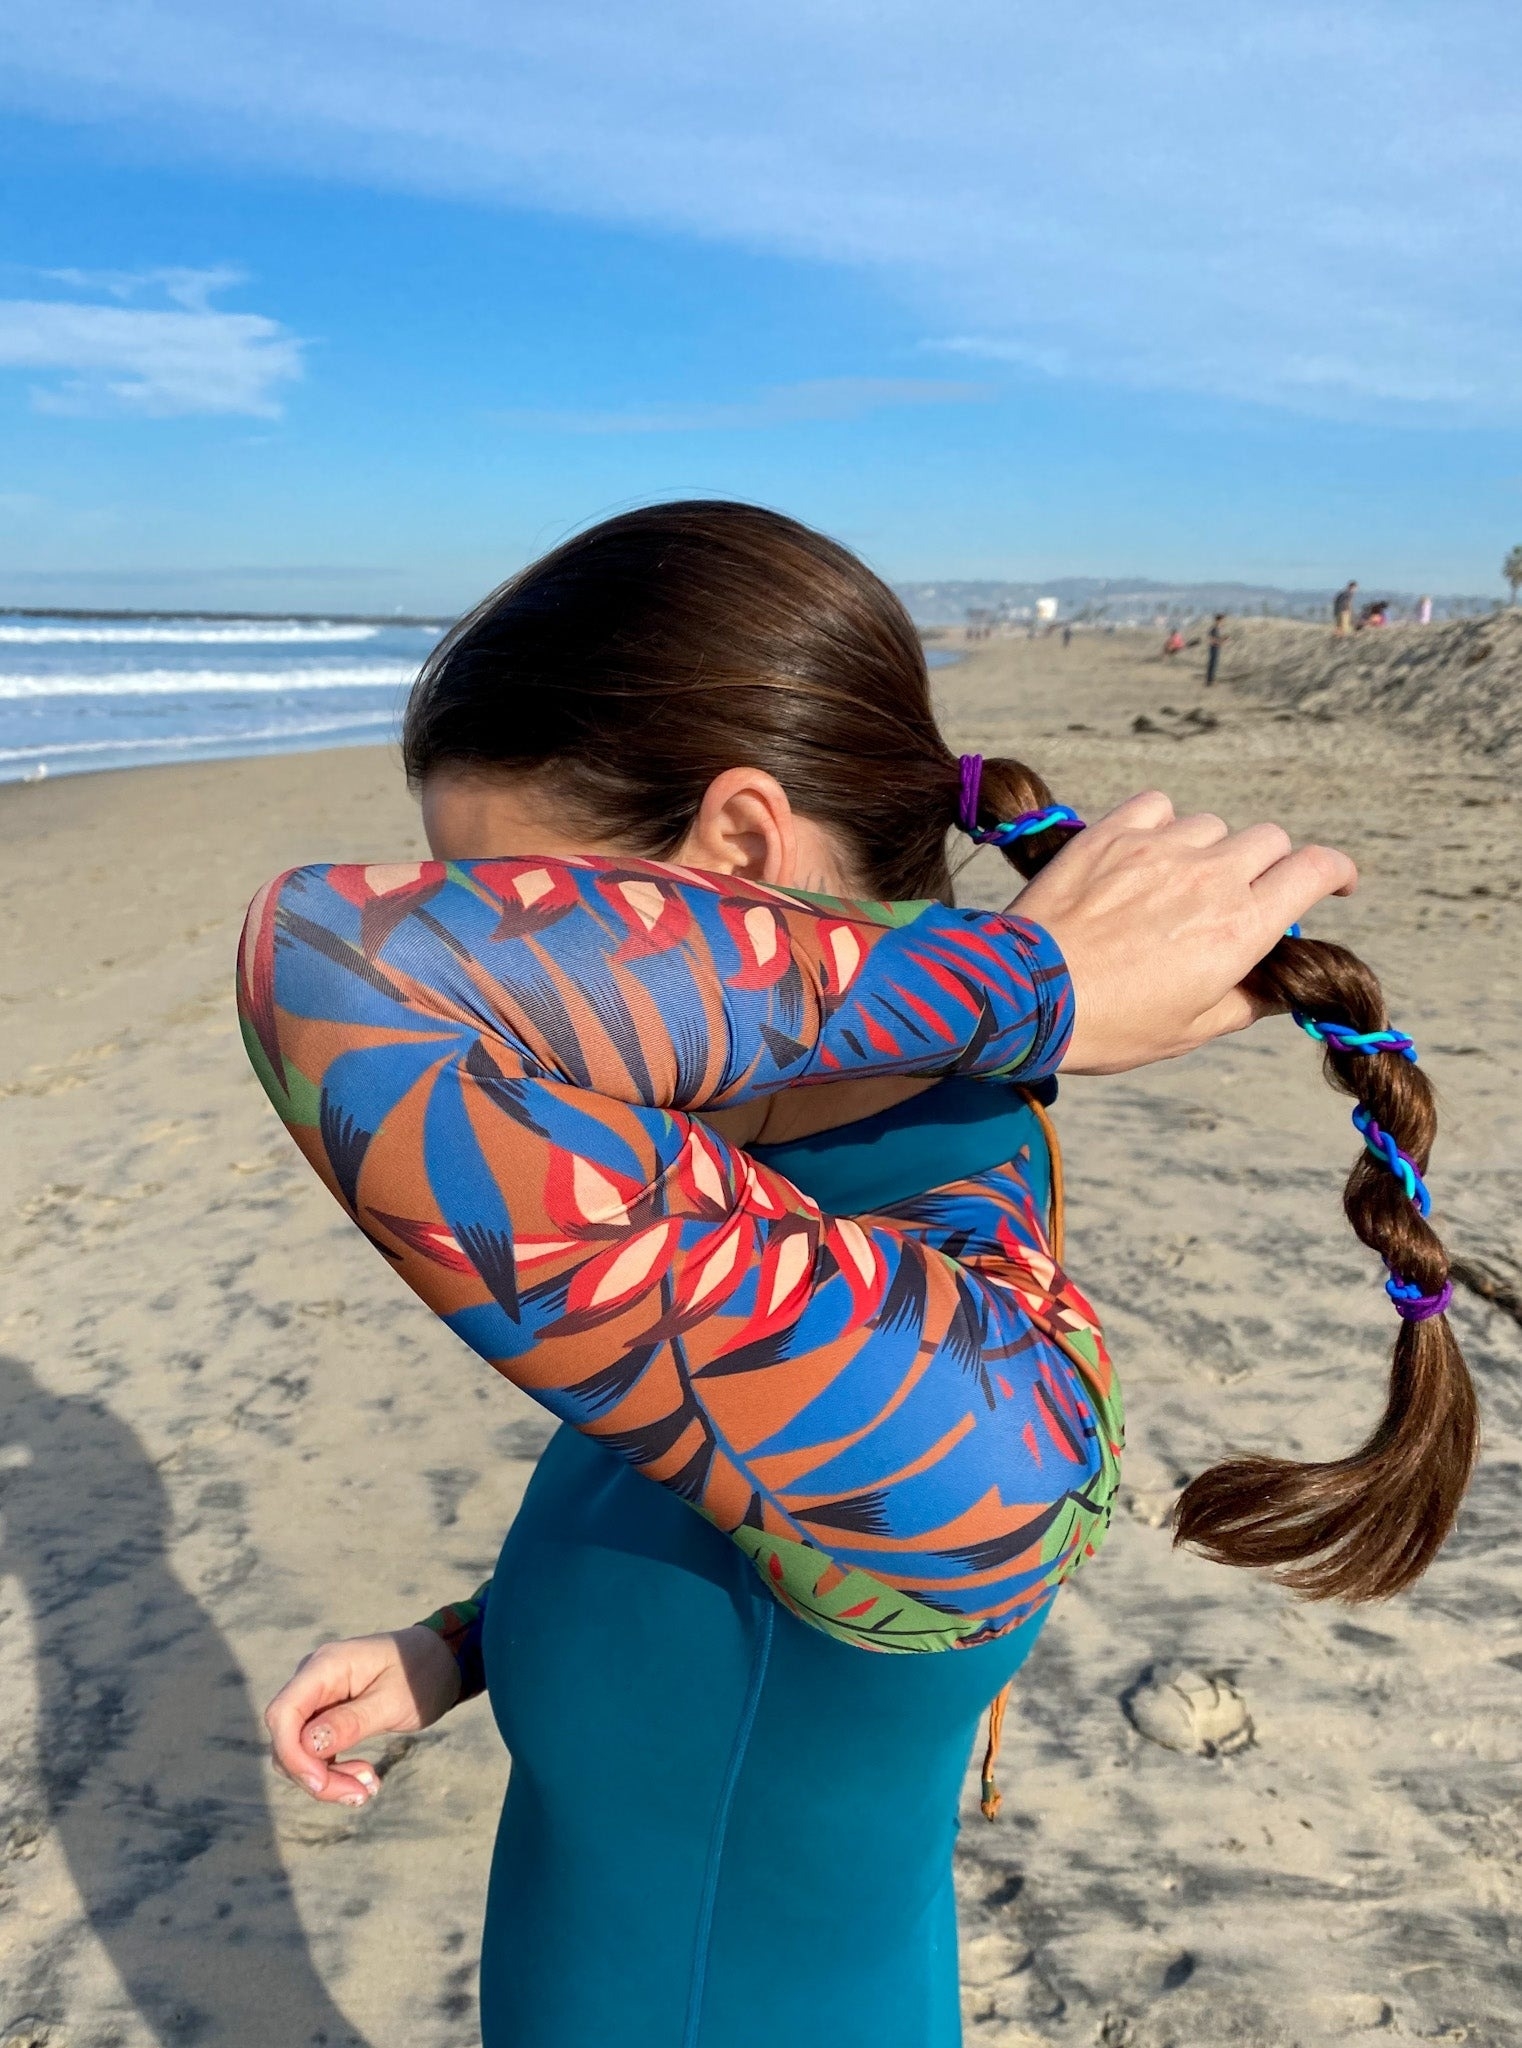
(341,1695)
(1144,812)
(1161,919)
(1299,881)
(354,1783)
(1234,1012)
(337,1728)
(1201,828)
(319,1680)
(1258,848)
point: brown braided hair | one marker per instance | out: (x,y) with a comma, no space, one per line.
(642,658)
(1363,1526)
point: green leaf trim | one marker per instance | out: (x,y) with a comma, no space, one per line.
(300,1102)
(861,1609)
(893,915)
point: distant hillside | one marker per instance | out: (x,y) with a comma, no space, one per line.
(1137,601)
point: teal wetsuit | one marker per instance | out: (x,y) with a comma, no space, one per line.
(725,1829)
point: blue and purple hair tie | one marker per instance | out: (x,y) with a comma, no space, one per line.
(1412,1305)
(1343,1038)
(1023,827)
(1389,1154)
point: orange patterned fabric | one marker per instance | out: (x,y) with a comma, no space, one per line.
(910,1423)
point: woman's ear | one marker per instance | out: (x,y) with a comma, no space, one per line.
(744,826)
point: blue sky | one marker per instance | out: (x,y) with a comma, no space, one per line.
(352,302)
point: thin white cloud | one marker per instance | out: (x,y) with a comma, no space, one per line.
(823,398)
(1209,196)
(192,289)
(987,348)
(153,360)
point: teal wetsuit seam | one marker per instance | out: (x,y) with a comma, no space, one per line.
(703,1932)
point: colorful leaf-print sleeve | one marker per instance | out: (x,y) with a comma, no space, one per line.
(488,1064)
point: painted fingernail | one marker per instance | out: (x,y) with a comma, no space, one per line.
(353,1799)
(368,1779)
(322,1740)
(312,1784)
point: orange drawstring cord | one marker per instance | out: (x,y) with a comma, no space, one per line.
(1056,1217)
(993,1798)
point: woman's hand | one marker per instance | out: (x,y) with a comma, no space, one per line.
(346,1693)
(1161,918)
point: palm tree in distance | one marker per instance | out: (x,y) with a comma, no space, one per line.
(1511,569)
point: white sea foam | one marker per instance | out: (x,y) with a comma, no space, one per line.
(184,741)
(255,632)
(178,682)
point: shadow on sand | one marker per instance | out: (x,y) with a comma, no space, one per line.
(150,1765)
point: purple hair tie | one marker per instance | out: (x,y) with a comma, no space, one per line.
(971,766)
(1412,1305)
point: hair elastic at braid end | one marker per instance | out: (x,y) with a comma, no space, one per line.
(1411,1305)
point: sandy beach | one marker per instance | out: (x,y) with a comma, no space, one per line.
(226,1433)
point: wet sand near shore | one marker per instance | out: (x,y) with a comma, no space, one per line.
(226,1433)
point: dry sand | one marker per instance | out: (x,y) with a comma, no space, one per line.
(225,1432)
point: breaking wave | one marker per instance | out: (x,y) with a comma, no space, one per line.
(187,633)
(175,682)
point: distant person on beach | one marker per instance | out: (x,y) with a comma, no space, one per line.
(1174,644)
(1067,636)
(1375,613)
(1215,640)
(677,1086)
(1424,611)
(1342,607)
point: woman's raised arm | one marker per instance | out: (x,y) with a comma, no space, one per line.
(487,1064)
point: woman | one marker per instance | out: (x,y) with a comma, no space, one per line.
(689,810)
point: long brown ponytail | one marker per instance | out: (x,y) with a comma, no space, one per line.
(1360,1527)
(1364,1526)
(642,658)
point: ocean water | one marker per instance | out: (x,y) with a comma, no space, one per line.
(86,693)
(79,694)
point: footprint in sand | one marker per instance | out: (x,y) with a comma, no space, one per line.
(1154,1510)
(1183,1709)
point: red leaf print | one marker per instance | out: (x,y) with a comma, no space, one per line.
(583,1197)
(761,940)
(533,894)
(656,916)
(386,894)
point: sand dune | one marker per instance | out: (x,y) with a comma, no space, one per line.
(1460,682)
(226,1433)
